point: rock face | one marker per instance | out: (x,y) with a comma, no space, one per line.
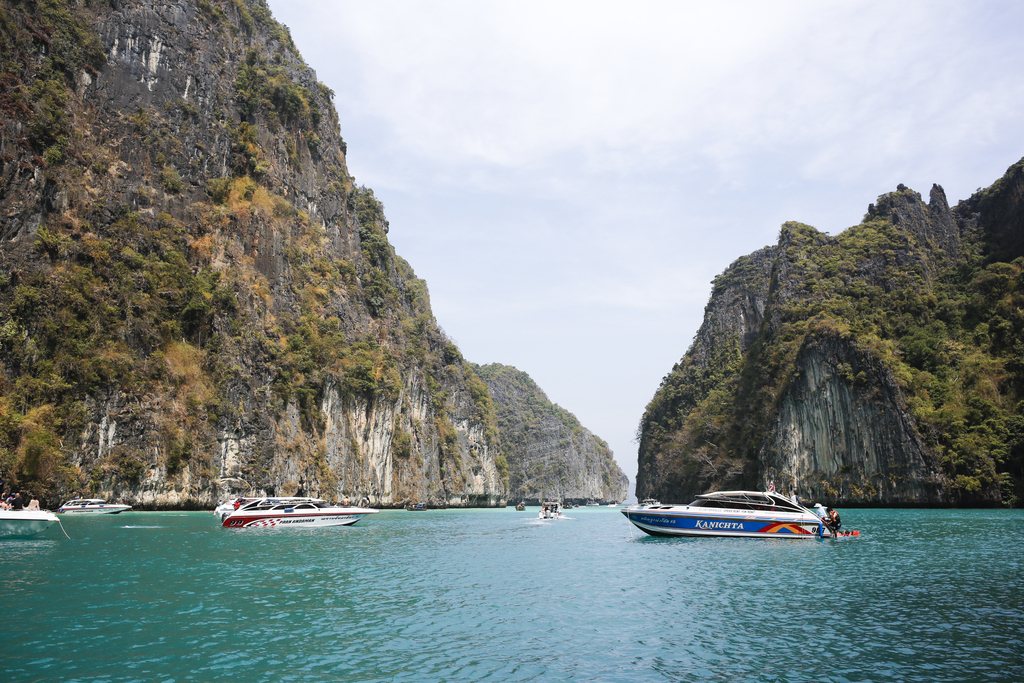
(196,300)
(549,453)
(878,367)
(829,434)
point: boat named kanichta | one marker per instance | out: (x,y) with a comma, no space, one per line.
(748,514)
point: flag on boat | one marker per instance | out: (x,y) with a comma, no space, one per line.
(771,486)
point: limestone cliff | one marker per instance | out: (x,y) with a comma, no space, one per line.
(549,453)
(196,299)
(881,366)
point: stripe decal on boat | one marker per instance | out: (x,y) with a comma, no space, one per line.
(784,528)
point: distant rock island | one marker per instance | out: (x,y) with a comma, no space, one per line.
(197,300)
(549,453)
(882,366)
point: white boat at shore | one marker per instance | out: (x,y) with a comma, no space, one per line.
(25,523)
(293,512)
(749,514)
(93,506)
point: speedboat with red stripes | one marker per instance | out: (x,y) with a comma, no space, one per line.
(748,514)
(293,513)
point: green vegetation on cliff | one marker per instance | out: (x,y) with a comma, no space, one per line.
(44,47)
(936,305)
(155,258)
(548,452)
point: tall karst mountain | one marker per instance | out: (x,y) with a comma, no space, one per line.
(549,453)
(196,299)
(882,366)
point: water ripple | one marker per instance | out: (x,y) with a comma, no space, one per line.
(494,595)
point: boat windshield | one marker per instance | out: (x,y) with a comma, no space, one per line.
(746,501)
(296,506)
(281,503)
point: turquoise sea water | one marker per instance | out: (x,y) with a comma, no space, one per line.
(497,595)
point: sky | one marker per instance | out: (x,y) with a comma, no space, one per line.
(568,177)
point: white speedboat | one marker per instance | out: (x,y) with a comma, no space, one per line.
(750,514)
(24,523)
(94,506)
(550,509)
(293,512)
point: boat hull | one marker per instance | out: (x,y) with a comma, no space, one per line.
(291,520)
(94,510)
(683,523)
(25,523)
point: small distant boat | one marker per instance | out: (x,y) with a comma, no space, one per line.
(550,509)
(416,507)
(613,505)
(92,506)
(293,513)
(520,507)
(593,504)
(749,514)
(25,523)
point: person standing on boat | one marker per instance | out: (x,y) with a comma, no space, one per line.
(832,521)
(365,502)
